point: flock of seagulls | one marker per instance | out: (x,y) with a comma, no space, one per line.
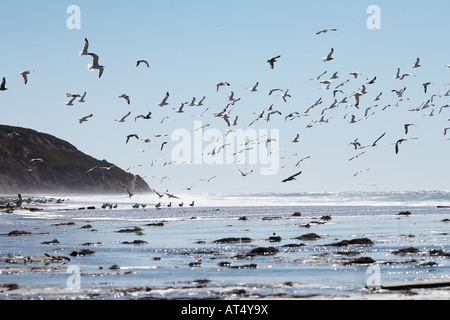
(351,102)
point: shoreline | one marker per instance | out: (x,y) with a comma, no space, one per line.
(200,253)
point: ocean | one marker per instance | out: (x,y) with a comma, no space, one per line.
(234,246)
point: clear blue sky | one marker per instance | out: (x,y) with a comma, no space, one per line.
(192,45)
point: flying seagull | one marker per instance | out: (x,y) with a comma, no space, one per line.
(180,109)
(220,84)
(82,98)
(24,74)
(291,177)
(123,118)
(253,89)
(272,61)
(426,84)
(328,58)
(404,75)
(399,141)
(85,48)
(147,116)
(416,64)
(126,97)
(73,97)
(445,130)
(325,31)
(355,144)
(81,120)
(407,125)
(375,142)
(132,135)
(200,103)
(95,65)
(3,85)
(285,95)
(128,191)
(164,101)
(142,61)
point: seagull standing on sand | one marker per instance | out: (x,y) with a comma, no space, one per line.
(24,74)
(95,65)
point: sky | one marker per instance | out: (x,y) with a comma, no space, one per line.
(192,45)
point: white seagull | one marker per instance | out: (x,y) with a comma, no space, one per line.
(73,96)
(95,65)
(416,64)
(164,101)
(126,97)
(85,48)
(81,120)
(24,74)
(285,95)
(328,57)
(253,89)
(180,109)
(123,118)
(82,98)
(220,84)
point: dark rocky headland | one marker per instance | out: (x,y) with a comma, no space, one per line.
(35,162)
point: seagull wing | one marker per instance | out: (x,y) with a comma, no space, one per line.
(329,55)
(3,84)
(94,59)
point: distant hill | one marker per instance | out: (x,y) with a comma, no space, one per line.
(58,167)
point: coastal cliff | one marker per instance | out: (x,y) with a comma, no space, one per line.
(32,161)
